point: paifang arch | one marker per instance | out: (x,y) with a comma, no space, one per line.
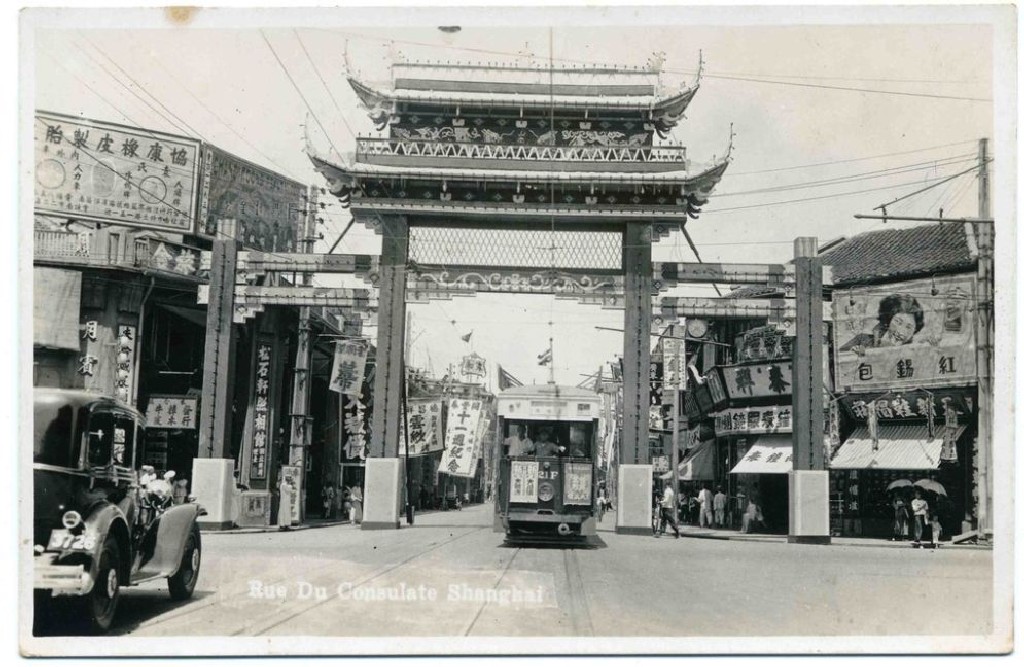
(484,163)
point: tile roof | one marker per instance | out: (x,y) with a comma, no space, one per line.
(903,253)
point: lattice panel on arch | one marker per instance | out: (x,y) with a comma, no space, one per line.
(540,248)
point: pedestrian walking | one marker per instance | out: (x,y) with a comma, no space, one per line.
(706,501)
(328,498)
(668,501)
(752,517)
(901,518)
(919,506)
(718,502)
(355,513)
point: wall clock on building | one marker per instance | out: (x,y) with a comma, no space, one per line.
(696,328)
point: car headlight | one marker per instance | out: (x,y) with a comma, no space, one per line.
(546,491)
(71,520)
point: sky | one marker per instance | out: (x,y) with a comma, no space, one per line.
(834,114)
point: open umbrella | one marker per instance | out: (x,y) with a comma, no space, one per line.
(930,485)
(898,484)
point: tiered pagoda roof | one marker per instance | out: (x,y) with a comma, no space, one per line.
(566,142)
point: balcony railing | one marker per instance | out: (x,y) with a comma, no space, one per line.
(120,250)
(383,147)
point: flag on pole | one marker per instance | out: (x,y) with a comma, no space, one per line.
(467,337)
(506,379)
(544,358)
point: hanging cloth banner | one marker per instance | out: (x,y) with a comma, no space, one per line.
(948,452)
(460,438)
(424,427)
(349,364)
(485,422)
(354,430)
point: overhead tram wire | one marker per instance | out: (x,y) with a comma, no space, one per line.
(295,85)
(857,159)
(324,83)
(192,131)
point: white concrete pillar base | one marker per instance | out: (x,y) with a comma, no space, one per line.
(808,507)
(633,513)
(382,495)
(213,485)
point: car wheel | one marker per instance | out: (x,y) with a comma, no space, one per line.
(183,582)
(101,602)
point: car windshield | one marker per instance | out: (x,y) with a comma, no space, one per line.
(53,433)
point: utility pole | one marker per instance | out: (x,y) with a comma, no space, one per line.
(984,233)
(301,432)
(678,381)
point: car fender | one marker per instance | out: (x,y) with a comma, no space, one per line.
(173,529)
(104,520)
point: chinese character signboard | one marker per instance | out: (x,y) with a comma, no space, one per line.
(267,206)
(172,412)
(292,476)
(758,380)
(124,364)
(353,428)
(913,405)
(767,419)
(460,439)
(910,334)
(349,364)
(578,481)
(173,258)
(478,452)
(97,171)
(474,365)
(261,428)
(424,428)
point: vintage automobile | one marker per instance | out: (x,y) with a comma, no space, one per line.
(96,527)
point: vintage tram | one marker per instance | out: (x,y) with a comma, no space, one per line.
(547,480)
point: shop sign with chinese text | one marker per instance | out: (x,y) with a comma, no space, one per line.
(349,365)
(124,364)
(914,405)
(261,432)
(460,438)
(90,170)
(173,258)
(759,380)
(172,412)
(768,419)
(353,428)
(425,433)
(268,207)
(918,332)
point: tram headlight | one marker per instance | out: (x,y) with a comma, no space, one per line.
(546,491)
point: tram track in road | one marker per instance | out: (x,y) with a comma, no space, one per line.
(578,608)
(258,630)
(328,567)
(497,583)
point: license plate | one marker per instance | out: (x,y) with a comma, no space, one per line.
(62,540)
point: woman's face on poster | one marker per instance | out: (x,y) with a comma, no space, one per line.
(900,332)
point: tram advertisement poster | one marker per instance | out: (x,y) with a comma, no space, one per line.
(905,335)
(523,484)
(90,170)
(460,438)
(349,365)
(425,433)
(578,480)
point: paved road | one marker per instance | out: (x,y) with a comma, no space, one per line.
(451,575)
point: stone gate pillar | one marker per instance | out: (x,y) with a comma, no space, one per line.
(384,476)
(634,474)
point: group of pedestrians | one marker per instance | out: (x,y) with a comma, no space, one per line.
(710,508)
(916,517)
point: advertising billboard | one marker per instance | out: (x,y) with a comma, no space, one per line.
(102,172)
(909,334)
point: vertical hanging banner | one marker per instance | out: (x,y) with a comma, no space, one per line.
(261,412)
(349,364)
(353,428)
(478,450)
(425,434)
(949,435)
(124,373)
(460,439)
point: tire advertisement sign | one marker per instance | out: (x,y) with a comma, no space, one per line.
(102,172)
(904,335)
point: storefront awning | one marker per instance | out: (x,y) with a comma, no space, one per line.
(900,447)
(768,455)
(698,464)
(196,316)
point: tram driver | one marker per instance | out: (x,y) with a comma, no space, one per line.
(518,443)
(545,446)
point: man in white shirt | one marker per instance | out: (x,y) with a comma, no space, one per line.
(706,501)
(668,499)
(518,445)
(719,506)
